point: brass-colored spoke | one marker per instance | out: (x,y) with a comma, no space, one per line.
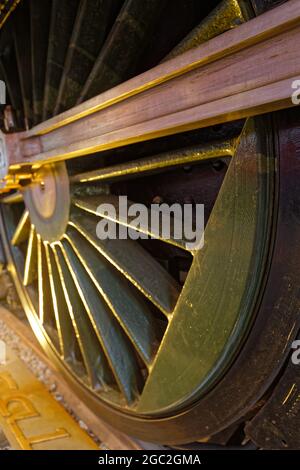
(134,262)
(163,161)
(14,198)
(22,231)
(46,311)
(116,346)
(96,365)
(65,330)
(117,58)
(30,270)
(126,303)
(92,204)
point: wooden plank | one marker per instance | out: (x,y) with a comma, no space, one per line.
(253,32)
(246,71)
(264,64)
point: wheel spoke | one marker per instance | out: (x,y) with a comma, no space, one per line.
(62,20)
(95,362)
(124,45)
(39,26)
(114,343)
(216,315)
(14,198)
(227,15)
(92,204)
(22,231)
(30,270)
(136,264)
(126,304)
(46,311)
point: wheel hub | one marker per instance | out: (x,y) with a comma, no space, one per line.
(48,201)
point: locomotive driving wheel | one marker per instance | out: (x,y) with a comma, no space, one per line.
(152,333)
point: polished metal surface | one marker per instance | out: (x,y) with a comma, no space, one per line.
(93,294)
(105,305)
(48,201)
(141,337)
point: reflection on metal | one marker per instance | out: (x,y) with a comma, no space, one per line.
(122,326)
(227,15)
(164,161)
(22,231)
(48,201)
(6,8)
(96,368)
(93,294)
(209,320)
(30,417)
(147,275)
(92,206)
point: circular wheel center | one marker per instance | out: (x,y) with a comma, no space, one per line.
(44,194)
(48,201)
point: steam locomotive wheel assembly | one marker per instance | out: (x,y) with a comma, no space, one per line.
(167,342)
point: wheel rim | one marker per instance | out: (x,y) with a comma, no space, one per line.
(78,277)
(72,300)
